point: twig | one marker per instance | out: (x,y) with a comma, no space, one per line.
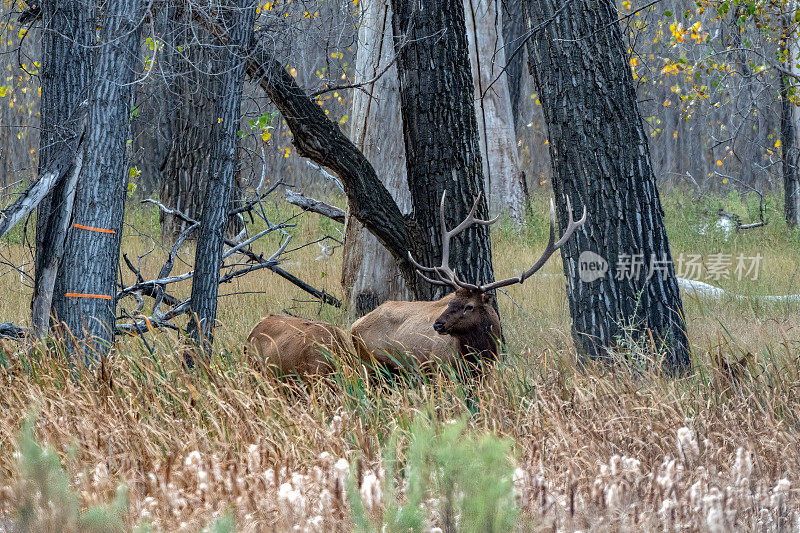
(327,175)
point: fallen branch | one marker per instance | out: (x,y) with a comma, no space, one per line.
(147,288)
(698,288)
(310,204)
(736,220)
(9,331)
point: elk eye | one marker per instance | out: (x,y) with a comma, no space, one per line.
(468,307)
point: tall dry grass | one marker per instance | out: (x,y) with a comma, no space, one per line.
(593,448)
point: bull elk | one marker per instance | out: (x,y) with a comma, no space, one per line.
(296,346)
(462,326)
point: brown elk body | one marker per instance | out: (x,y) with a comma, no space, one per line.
(296,346)
(395,329)
(466,319)
(461,326)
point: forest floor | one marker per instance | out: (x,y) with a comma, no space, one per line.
(595,448)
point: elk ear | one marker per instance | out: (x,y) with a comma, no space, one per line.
(488,298)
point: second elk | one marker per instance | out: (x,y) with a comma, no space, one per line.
(296,346)
(462,327)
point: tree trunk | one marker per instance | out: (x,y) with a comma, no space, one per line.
(156,105)
(601,160)
(790,118)
(370,274)
(513,26)
(441,135)
(239,16)
(67,37)
(193,90)
(86,286)
(501,168)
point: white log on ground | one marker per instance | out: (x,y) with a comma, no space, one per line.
(370,274)
(501,167)
(701,289)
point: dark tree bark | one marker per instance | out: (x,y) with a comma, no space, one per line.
(790,118)
(513,35)
(152,125)
(239,16)
(67,37)
(190,64)
(91,257)
(601,160)
(441,135)
(791,179)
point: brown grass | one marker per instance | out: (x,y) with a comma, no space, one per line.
(596,449)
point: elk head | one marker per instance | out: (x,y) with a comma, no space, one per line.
(465,313)
(470,314)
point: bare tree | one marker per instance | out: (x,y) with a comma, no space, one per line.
(189,65)
(238,19)
(441,133)
(790,120)
(370,275)
(487,51)
(601,160)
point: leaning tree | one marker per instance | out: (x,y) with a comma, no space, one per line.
(601,160)
(67,30)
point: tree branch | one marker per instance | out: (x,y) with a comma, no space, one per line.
(310,204)
(320,140)
(10,331)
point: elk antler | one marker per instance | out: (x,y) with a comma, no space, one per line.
(447,277)
(552,246)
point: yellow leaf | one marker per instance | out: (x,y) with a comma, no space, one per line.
(719,163)
(3,92)
(265,136)
(778,143)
